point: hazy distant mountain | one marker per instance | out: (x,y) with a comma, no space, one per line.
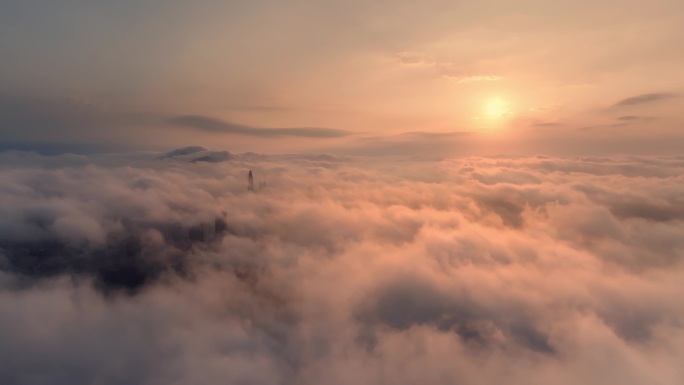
(214,157)
(190,150)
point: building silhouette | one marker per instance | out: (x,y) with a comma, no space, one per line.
(250,185)
(209,231)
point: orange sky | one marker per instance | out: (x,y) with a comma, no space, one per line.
(583,72)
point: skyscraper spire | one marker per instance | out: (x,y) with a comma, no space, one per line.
(250,177)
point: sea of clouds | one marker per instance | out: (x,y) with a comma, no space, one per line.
(150,269)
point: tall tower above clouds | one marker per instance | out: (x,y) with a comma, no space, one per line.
(250,183)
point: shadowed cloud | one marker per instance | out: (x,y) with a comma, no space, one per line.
(645,98)
(208,124)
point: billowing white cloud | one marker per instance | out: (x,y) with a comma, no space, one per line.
(150,270)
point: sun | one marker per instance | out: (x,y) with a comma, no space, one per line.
(496,108)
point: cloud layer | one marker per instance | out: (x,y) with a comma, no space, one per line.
(145,270)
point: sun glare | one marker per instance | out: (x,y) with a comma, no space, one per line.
(496,108)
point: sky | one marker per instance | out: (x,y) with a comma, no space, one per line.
(488,77)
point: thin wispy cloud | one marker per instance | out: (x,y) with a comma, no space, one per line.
(208,124)
(548,124)
(645,99)
(472,78)
(636,118)
(447,70)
